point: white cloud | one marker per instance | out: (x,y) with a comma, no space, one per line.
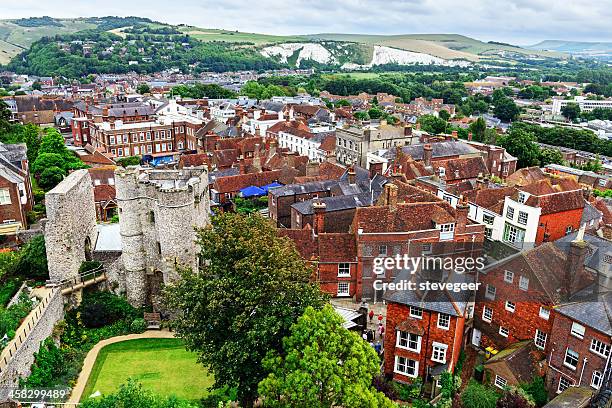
(518,21)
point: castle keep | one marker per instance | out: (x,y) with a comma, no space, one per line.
(158,211)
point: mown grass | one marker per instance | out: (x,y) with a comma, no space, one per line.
(160,365)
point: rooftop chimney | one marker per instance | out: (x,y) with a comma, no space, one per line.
(455,134)
(390,195)
(319,209)
(351,175)
(427,154)
(461,214)
(574,264)
(407,130)
(470,136)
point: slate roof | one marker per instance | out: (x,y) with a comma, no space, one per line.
(440,149)
(463,168)
(597,315)
(336,203)
(295,189)
(453,304)
(598,248)
(590,213)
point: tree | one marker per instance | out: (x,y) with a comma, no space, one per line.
(251,287)
(571,111)
(478,129)
(444,115)
(477,395)
(506,109)
(128,161)
(360,115)
(324,365)
(375,113)
(550,156)
(143,88)
(432,124)
(50,177)
(522,145)
(32,262)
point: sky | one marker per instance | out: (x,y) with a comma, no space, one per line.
(521,22)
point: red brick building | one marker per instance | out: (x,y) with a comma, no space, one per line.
(424,334)
(580,345)
(15,188)
(517,294)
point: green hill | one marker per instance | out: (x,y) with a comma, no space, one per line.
(230,49)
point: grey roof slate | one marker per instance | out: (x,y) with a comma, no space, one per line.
(337,203)
(597,315)
(440,149)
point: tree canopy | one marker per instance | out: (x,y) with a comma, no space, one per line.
(323,365)
(251,287)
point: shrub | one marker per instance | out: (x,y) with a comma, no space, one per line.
(407,392)
(32,262)
(536,389)
(104,308)
(11,317)
(381,384)
(514,399)
(138,325)
(477,395)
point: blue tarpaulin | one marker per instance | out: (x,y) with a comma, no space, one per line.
(162,160)
(252,191)
(270,186)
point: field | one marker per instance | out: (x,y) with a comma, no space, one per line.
(160,365)
(204,34)
(15,38)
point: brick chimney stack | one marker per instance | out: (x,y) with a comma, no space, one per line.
(351,175)
(427,154)
(461,214)
(574,264)
(470,136)
(407,130)
(319,209)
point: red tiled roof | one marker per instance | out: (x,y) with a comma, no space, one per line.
(193,160)
(463,168)
(232,184)
(403,217)
(226,157)
(104,192)
(303,239)
(335,247)
(489,198)
(328,144)
(331,171)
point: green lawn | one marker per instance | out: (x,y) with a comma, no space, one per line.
(160,365)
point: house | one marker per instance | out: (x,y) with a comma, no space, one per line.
(15,189)
(103,179)
(514,365)
(580,344)
(424,334)
(353,143)
(298,137)
(517,294)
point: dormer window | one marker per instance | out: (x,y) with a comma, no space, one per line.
(447,227)
(522,197)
